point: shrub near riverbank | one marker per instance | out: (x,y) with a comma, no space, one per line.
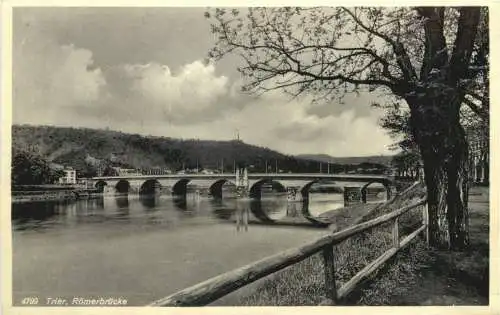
(303,283)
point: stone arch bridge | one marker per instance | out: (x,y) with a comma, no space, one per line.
(296,185)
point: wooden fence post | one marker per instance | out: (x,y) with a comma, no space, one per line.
(425,221)
(330,287)
(395,233)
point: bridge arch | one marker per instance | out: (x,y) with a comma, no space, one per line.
(122,186)
(150,187)
(100,185)
(306,213)
(304,190)
(386,185)
(298,191)
(180,187)
(256,189)
(259,213)
(215,188)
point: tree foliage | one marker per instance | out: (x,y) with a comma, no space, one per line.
(431,61)
(325,51)
(29,169)
(409,161)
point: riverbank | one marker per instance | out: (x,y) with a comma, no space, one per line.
(425,276)
(23,196)
(416,276)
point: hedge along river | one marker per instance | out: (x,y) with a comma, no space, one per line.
(143,248)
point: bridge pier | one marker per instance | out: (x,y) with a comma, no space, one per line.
(243,192)
(352,195)
(134,189)
(294,194)
(294,209)
(242,184)
(108,190)
(161,190)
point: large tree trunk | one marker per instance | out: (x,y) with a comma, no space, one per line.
(444,151)
(435,122)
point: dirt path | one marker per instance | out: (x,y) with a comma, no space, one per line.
(452,278)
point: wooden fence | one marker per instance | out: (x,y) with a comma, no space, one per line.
(219,286)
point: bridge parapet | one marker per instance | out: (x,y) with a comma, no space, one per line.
(275,176)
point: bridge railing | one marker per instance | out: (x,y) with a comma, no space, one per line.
(219,286)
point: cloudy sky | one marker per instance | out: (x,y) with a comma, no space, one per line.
(141,70)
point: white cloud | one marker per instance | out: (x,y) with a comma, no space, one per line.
(275,122)
(286,126)
(49,78)
(73,82)
(182,96)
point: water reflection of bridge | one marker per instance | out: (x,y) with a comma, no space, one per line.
(253,211)
(156,209)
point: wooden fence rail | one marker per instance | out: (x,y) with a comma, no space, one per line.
(219,286)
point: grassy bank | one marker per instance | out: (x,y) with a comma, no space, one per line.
(303,283)
(433,277)
(417,275)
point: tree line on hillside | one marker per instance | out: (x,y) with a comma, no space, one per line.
(98,152)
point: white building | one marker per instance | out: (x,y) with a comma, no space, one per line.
(69,176)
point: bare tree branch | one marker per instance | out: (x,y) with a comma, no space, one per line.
(402,57)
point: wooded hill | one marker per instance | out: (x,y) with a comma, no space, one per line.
(85,149)
(375,159)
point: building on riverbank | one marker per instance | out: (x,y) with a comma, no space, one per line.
(69,177)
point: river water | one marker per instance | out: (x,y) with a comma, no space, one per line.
(144,248)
